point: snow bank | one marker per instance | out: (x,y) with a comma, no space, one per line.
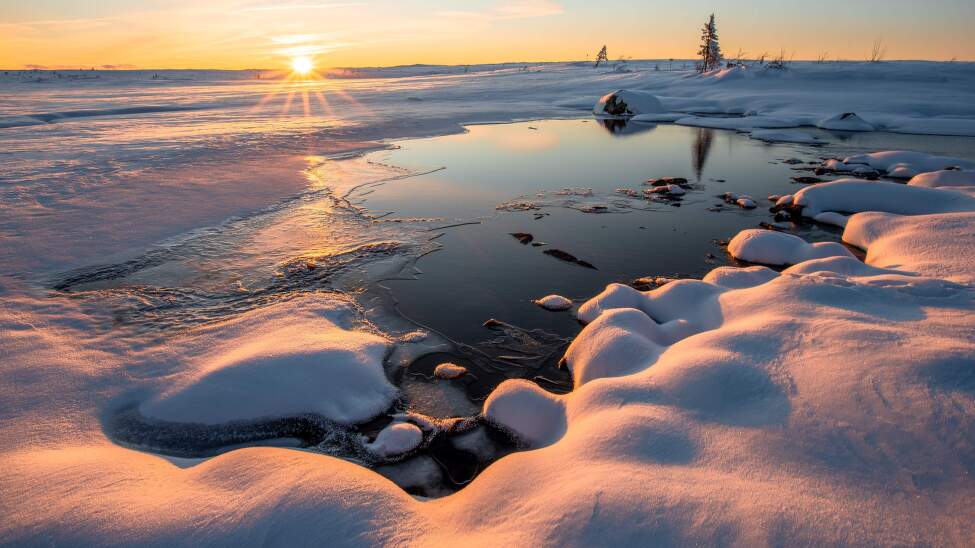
(277,367)
(627,102)
(943,178)
(778,248)
(532,414)
(905,164)
(772,136)
(855,195)
(938,245)
(848,121)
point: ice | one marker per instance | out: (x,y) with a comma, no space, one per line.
(778,248)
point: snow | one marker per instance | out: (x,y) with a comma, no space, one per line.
(271,365)
(784,137)
(943,178)
(449,370)
(554,302)
(829,404)
(778,248)
(396,439)
(847,121)
(855,195)
(627,102)
(904,164)
(532,414)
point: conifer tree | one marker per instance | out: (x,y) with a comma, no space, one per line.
(603,56)
(710,51)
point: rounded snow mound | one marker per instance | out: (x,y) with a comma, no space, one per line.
(943,178)
(522,407)
(396,439)
(778,248)
(554,302)
(284,371)
(626,102)
(847,121)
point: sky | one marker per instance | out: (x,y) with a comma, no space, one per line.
(237,34)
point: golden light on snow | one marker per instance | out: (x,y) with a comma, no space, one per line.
(302,65)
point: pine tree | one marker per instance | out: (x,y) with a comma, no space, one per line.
(603,56)
(710,51)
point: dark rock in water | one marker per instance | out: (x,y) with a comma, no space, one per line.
(674,204)
(718,180)
(492,323)
(805,180)
(870,175)
(770,226)
(792,161)
(821,171)
(781,216)
(568,257)
(537,244)
(523,237)
(715,209)
(664,181)
(561,255)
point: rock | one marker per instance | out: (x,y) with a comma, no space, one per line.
(664,181)
(627,102)
(449,370)
(568,257)
(746,203)
(806,180)
(523,237)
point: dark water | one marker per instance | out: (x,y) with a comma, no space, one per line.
(483,272)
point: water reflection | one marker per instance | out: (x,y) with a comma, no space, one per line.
(623,126)
(701,148)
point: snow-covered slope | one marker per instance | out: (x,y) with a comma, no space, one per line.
(831,403)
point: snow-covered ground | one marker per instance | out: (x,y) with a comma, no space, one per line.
(830,403)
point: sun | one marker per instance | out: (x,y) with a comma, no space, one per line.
(302,65)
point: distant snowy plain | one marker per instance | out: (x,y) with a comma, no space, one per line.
(830,403)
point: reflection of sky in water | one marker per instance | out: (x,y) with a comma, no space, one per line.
(483,272)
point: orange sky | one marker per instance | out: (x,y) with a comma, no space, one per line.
(266,34)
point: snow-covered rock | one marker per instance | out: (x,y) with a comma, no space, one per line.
(534,415)
(396,439)
(554,302)
(449,370)
(847,121)
(778,248)
(626,102)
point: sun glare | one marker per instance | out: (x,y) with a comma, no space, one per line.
(301,65)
